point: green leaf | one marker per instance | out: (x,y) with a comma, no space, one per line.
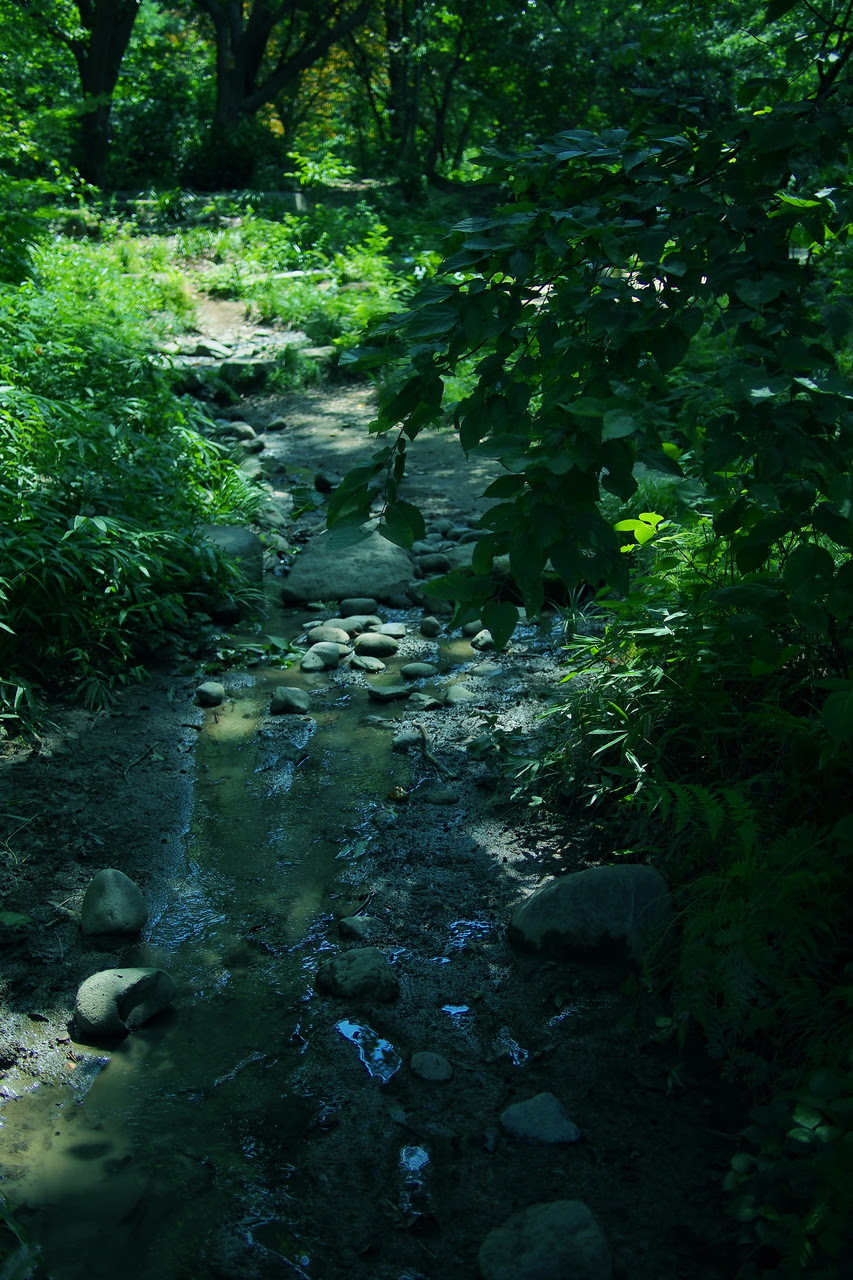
(778,8)
(837,716)
(618,423)
(500,617)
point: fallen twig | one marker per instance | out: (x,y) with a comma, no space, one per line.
(139,759)
(428,755)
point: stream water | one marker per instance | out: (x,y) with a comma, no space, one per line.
(194,1120)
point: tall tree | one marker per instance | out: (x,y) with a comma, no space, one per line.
(262,49)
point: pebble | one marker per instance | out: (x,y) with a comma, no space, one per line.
(431,1066)
(388,692)
(471,628)
(376,645)
(210,694)
(327,633)
(418,671)
(286,699)
(540,1119)
(397,630)
(355,623)
(321,657)
(430,627)
(364,971)
(357,928)
(547,1242)
(483,640)
(364,662)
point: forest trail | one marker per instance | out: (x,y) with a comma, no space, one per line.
(261,1128)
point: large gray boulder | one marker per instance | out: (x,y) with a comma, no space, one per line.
(363,972)
(604,911)
(241,544)
(113,903)
(374,568)
(556,1241)
(116,1001)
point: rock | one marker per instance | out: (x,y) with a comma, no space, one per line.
(288,700)
(388,692)
(457,693)
(362,972)
(424,701)
(482,640)
(408,738)
(325,632)
(431,1066)
(471,628)
(486,669)
(212,349)
(116,1001)
(359,927)
(236,431)
(376,645)
(324,656)
(430,627)
(554,1241)
(277,424)
(210,694)
(418,671)
(358,604)
(326,481)
(604,910)
(397,630)
(355,623)
(363,662)
(113,903)
(540,1119)
(374,567)
(240,544)
(434,562)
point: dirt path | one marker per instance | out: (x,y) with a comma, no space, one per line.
(371,1181)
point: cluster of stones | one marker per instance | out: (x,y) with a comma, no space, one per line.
(113,1002)
(614,911)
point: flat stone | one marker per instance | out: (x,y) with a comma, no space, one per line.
(389,692)
(418,671)
(113,903)
(540,1119)
(355,623)
(362,972)
(363,662)
(560,1240)
(376,645)
(430,627)
(324,656)
(286,700)
(210,694)
(397,630)
(457,693)
(116,1001)
(612,911)
(374,568)
(407,738)
(424,701)
(358,928)
(431,1066)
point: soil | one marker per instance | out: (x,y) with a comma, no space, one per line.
(115,788)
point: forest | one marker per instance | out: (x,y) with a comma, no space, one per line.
(607,247)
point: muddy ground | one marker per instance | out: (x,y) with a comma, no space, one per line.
(115,788)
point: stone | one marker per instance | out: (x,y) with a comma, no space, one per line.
(540,1119)
(277,424)
(424,701)
(358,604)
(355,623)
(388,692)
(482,640)
(376,645)
(374,567)
(113,903)
(358,928)
(554,1241)
(240,544)
(286,700)
(431,1066)
(607,911)
(363,662)
(211,349)
(397,630)
(324,656)
(326,481)
(407,738)
(362,972)
(418,671)
(471,628)
(434,562)
(210,694)
(326,632)
(236,431)
(430,627)
(116,1001)
(438,795)
(457,693)
(486,669)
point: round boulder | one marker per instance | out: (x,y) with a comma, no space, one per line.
(289,701)
(362,972)
(376,645)
(113,903)
(547,1242)
(210,694)
(116,1001)
(604,911)
(323,656)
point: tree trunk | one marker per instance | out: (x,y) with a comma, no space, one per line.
(108,24)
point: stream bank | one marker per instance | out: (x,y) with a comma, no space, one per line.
(261,1128)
